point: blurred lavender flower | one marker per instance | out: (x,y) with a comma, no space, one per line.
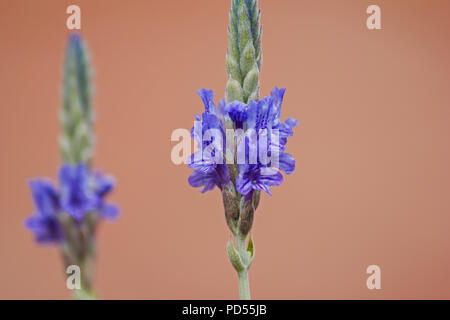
(68,217)
(44,221)
(77,198)
(103,185)
(81,192)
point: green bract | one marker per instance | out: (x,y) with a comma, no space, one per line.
(244,51)
(76,141)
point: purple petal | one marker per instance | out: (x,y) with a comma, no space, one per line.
(45,196)
(291,122)
(287,163)
(202,179)
(109,211)
(271,177)
(207,97)
(243,185)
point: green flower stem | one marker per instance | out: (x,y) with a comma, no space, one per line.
(83,294)
(86,292)
(244,285)
(241,259)
(79,249)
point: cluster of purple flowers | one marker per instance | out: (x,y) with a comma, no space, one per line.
(260,122)
(80,192)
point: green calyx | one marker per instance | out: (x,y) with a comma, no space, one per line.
(243,59)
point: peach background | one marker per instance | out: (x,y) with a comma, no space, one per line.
(373,149)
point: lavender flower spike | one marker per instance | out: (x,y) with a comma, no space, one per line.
(68,215)
(257,148)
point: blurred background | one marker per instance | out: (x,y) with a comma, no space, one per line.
(372,180)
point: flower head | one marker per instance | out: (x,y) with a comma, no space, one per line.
(77,196)
(254,177)
(80,192)
(261,149)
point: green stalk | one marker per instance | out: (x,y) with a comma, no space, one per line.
(241,258)
(87,291)
(83,294)
(244,285)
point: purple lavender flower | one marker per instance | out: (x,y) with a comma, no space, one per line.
(83,192)
(103,185)
(254,177)
(80,192)
(44,221)
(207,180)
(69,216)
(77,196)
(264,130)
(209,167)
(238,113)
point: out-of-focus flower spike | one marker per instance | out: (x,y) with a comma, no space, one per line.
(76,116)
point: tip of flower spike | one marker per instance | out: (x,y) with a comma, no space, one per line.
(74,38)
(76,44)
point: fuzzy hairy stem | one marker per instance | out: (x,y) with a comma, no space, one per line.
(244,285)
(86,292)
(78,248)
(241,258)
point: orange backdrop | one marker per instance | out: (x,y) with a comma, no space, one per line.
(373,148)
